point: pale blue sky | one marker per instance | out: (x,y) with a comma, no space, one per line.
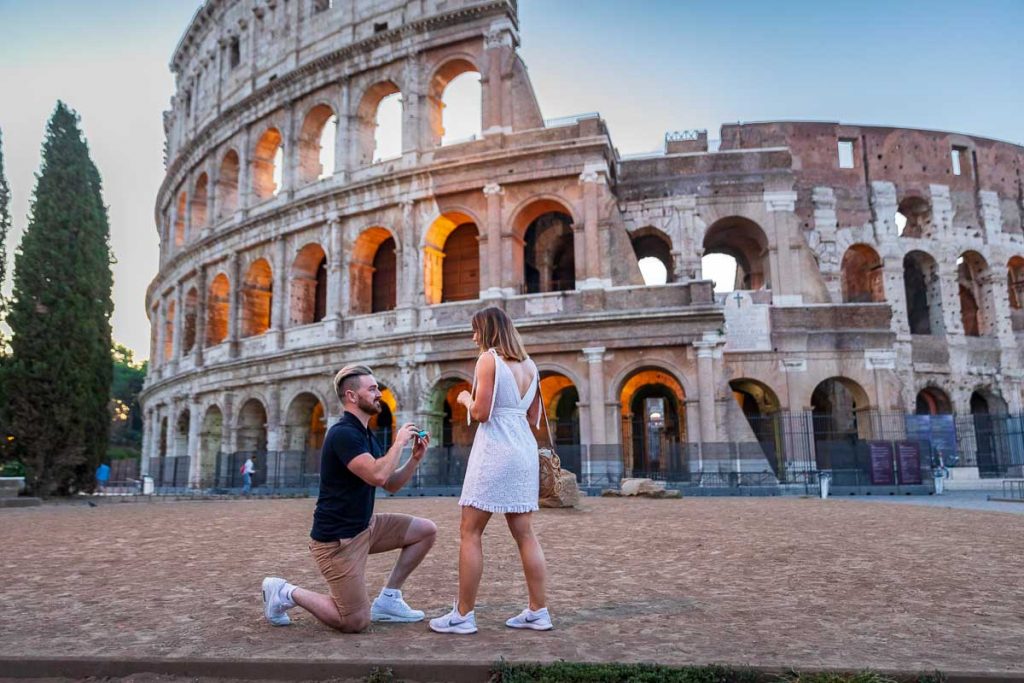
(646,66)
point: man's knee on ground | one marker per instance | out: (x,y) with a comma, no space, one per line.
(356,622)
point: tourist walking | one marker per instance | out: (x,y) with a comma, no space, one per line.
(503,471)
(346,530)
(248,468)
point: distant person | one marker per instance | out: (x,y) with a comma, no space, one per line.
(102,477)
(345,528)
(503,474)
(247,471)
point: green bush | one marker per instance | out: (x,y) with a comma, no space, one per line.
(122,453)
(12,469)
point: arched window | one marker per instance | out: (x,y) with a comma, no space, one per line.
(199,203)
(760,406)
(837,404)
(378,122)
(653,250)
(548,257)
(932,401)
(455,103)
(452,259)
(373,274)
(179,220)
(169,332)
(385,277)
(309,286)
(923,293)
(316,144)
(227,185)
(977,308)
(653,423)
(862,275)
(744,247)
(257,299)
(913,217)
(188,335)
(1015,282)
(266,165)
(218,307)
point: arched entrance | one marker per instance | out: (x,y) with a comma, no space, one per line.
(744,242)
(549,259)
(838,412)
(991,444)
(761,408)
(211,436)
(653,425)
(923,294)
(304,430)
(653,250)
(251,441)
(451,259)
(383,423)
(862,275)
(932,401)
(309,286)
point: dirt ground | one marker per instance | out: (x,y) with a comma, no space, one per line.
(769,582)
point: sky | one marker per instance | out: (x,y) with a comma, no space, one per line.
(647,66)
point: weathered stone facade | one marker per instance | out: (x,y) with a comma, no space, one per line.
(266,287)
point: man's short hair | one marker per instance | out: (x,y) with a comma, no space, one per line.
(347,379)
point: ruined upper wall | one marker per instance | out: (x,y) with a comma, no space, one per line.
(912,160)
(233,49)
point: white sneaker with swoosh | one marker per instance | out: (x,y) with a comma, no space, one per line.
(537,621)
(453,622)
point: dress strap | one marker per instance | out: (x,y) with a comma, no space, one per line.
(494,389)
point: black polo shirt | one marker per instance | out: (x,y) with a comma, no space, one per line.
(345,503)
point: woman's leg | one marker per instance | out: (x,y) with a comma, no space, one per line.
(471,556)
(532,556)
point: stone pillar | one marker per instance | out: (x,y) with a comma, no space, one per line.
(949,279)
(883,208)
(148,439)
(499,51)
(335,279)
(895,291)
(942,211)
(229,430)
(991,213)
(410,275)
(244,174)
(706,388)
(212,177)
(595,395)
(195,421)
(160,317)
(490,244)
(280,297)
(275,430)
(785,270)
(593,176)
(234,314)
(201,315)
(179,316)
(343,136)
(290,157)
(189,190)
(823,241)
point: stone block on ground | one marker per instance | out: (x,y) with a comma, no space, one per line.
(635,487)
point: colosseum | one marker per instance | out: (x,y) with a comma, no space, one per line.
(871,328)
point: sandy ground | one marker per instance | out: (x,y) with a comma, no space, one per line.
(769,582)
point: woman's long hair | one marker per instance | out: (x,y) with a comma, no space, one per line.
(496,331)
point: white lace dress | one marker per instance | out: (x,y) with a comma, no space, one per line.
(503,472)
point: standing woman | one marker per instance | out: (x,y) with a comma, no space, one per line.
(503,471)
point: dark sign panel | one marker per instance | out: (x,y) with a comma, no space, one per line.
(908,453)
(882,472)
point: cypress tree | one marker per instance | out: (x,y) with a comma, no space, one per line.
(5,229)
(58,376)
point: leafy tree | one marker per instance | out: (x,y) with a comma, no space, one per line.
(126,416)
(59,374)
(5,229)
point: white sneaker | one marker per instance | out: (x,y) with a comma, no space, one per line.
(453,622)
(389,606)
(538,621)
(275,605)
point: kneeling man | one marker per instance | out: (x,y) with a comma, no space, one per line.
(345,530)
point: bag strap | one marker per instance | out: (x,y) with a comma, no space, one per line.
(547,423)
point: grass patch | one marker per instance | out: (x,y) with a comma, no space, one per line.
(568,672)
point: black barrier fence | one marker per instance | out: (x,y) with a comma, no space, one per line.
(866,449)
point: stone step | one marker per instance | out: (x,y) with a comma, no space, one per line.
(11,486)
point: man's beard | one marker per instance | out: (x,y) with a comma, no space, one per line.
(369,407)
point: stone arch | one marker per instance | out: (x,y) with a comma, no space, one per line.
(986,441)
(305,423)
(458,67)
(448,424)
(200,197)
(164,436)
(373,271)
(561,396)
(932,400)
(367,134)
(1015,281)
(218,308)
(977,300)
(451,253)
(914,216)
(653,411)
(257,298)
(839,408)
(923,290)
(746,243)
(169,332)
(211,439)
(862,280)
(651,245)
(548,255)
(188,328)
(227,184)
(309,285)
(179,219)
(384,423)
(761,408)
(315,144)
(266,164)
(252,427)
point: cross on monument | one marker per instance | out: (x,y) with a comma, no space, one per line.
(738,298)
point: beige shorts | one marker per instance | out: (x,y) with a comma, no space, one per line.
(343,562)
